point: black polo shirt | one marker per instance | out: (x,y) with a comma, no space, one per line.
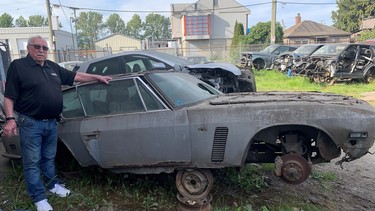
(35,89)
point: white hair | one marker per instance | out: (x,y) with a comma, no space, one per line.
(30,40)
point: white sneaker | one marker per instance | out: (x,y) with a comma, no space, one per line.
(60,190)
(43,205)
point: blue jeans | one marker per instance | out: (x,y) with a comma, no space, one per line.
(38,140)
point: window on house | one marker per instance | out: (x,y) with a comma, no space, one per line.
(197,25)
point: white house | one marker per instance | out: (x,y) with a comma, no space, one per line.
(17,38)
(207,26)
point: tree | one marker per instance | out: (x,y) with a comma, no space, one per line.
(115,24)
(350,14)
(157,27)
(261,33)
(89,28)
(37,21)
(236,40)
(21,22)
(6,21)
(134,27)
(237,34)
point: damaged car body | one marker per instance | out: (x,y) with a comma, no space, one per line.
(224,76)
(263,59)
(341,62)
(295,60)
(162,121)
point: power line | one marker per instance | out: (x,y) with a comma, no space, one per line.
(223,8)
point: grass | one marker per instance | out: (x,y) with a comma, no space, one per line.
(234,189)
(272,80)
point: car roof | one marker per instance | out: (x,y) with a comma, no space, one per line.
(167,58)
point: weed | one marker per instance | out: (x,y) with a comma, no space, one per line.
(323,176)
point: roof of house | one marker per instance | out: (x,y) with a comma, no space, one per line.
(313,29)
(116,34)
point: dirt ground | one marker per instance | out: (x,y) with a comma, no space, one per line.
(368,96)
(353,190)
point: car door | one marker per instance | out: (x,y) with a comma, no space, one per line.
(127,125)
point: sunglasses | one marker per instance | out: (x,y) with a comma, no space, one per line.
(37,47)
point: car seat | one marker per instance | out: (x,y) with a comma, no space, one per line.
(136,68)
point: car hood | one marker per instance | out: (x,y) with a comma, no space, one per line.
(215,65)
(287,97)
(255,53)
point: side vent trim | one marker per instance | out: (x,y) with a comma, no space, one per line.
(220,141)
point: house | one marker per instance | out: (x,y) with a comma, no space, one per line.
(368,24)
(116,43)
(207,26)
(17,38)
(307,32)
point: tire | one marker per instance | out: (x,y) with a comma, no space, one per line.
(259,64)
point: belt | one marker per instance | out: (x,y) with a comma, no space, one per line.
(39,119)
(44,120)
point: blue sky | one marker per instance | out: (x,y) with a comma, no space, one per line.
(315,10)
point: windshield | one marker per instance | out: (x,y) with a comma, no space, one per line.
(269,49)
(182,88)
(305,49)
(330,49)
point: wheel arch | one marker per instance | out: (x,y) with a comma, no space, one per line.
(270,134)
(259,63)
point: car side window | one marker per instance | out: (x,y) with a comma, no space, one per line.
(138,63)
(283,49)
(117,97)
(72,107)
(150,100)
(109,66)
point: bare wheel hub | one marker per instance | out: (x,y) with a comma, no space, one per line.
(194,183)
(295,169)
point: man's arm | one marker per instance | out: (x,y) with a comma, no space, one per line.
(85,77)
(11,125)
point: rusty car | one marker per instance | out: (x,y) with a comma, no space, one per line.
(341,62)
(165,121)
(226,77)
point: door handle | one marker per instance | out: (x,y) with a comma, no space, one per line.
(92,135)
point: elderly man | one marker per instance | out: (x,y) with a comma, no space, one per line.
(33,90)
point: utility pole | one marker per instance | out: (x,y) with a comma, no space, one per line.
(75,22)
(51,37)
(273,22)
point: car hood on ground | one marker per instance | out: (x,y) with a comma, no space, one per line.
(225,66)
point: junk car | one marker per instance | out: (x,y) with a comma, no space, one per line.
(224,76)
(295,60)
(342,62)
(264,58)
(162,121)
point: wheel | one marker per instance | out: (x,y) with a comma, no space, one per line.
(258,64)
(194,183)
(295,169)
(370,76)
